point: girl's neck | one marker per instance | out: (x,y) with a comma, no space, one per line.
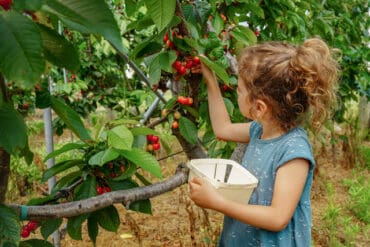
(271,131)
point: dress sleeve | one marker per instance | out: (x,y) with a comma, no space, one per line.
(297,147)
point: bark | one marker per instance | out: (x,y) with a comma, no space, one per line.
(4,155)
(70,209)
(4,173)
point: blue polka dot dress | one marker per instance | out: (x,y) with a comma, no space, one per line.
(263,158)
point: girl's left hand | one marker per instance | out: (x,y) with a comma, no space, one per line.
(204,194)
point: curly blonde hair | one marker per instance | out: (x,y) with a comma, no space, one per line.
(295,81)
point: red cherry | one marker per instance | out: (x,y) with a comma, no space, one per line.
(122,168)
(190,101)
(182,70)
(112,175)
(257,33)
(177,65)
(196,60)
(189,64)
(155,139)
(107,189)
(6,4)
(32,225)
(149,138)
(185,101)
(156,146)
(169,44)
(25,233)
(100,190)
(166,37)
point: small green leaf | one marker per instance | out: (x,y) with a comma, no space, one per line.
(166,59)
(161,12)
(40,200)
(188,130)
(87,189)
(60,167)
(13,131)
(143,206)
(144,160)
(58,50)
(43,99)
(10,228)
(92,228)
(74,226)
(67,147)
(120,137)
(71,119)
(66,180)
(20,59)
(108,218)
(220,72)
(143,131)
(49,226)
(101,158)
(35,243)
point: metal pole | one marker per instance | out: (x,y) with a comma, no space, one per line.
(50,162)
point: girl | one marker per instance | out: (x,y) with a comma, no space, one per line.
(279,86)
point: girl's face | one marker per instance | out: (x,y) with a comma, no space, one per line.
(244,101)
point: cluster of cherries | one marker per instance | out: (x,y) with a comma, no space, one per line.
(101,189)
(30,227)
(153,142)
(183,100)
(181,67)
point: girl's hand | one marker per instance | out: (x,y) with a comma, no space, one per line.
(208,75)
(204,194)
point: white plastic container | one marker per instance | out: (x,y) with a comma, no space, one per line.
(229,178)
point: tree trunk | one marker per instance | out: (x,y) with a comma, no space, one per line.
(4,173)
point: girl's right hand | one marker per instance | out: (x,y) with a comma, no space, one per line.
(208,75)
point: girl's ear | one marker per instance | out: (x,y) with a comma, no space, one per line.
(261,108)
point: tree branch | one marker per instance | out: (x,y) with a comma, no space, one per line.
(70,209)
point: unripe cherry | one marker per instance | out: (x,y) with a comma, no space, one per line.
(177,115)
(149,147)
(175,125)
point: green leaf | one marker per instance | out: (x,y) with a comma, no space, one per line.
(87,189)
(101,158)
(20,58)
(43,99)
(220,72)
(122,185)
(120,137)
(71,119)
(155,69)
(245,35)
(35,243)
(108,218)
(10,228)
(40,200)
(188,130)
(74,226)
(60,167)
(88,16)
(92,228)
(58,50)
(161,12)
(49,226)
(13,131)
(143,131)
(143,206)
(166,59)
(67,147)
(144,160)
(66,180)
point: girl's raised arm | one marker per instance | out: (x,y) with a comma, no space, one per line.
(222,126)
